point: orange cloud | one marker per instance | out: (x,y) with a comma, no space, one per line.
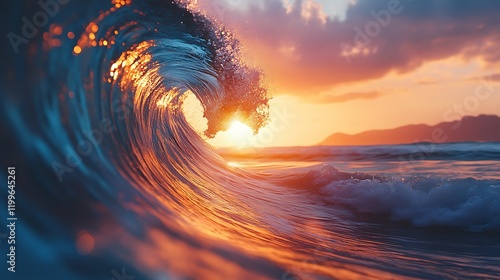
(348,97)
(306,56)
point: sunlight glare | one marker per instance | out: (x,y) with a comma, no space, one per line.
(239,130)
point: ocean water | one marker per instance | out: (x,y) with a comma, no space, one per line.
(113,183)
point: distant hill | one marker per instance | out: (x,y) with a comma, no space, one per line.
(483,128)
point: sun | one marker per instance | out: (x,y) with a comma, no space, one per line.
(239,130)
(237,135)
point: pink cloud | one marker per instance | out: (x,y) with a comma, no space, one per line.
(307,55)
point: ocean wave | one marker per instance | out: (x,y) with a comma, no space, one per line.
(119,178)
(408,152)
(422,201)
(462,203)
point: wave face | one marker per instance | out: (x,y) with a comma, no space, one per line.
(114,180)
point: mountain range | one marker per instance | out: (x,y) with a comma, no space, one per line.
(482,128)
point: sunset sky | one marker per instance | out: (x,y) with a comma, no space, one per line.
(351,66)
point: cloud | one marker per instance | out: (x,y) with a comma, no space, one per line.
(489,78)
(493,77)
(349,97)
(427,81)
(304,52)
